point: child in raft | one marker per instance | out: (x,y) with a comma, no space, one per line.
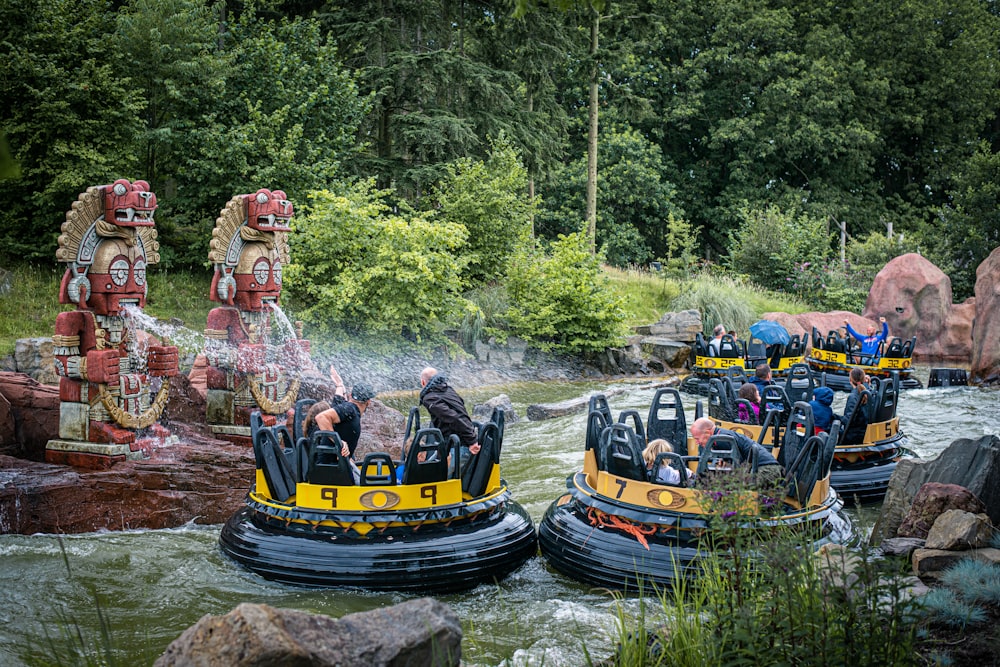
(664,474)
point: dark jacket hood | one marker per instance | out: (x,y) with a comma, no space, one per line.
(823,395)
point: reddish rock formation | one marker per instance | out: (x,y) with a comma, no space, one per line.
(200,478)
(985,363)
(915,298)
(932,500)
(29,416)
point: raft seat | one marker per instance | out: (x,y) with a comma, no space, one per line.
(666,418)
(636,419)
(720,454)
(327,466)
(675,461)
(621,453)
(427,457)
(476,474)
(378,469)
(273,463)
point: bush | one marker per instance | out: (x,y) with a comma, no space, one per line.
(562,302)
(488,198)
(357,265)
(770,243)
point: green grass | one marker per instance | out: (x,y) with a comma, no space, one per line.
(721,299)
(28,309)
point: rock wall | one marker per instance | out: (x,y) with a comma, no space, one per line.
(985,365)
(915,298)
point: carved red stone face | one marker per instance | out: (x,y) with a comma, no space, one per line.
(117,278)
(269,211)
(129,204)
(258,278)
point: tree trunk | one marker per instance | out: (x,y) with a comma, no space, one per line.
(592,136)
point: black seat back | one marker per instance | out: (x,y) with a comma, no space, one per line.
(737,376)
(720,454)
(378,469)
(596,423)
(729,347)
(907,350)
(834,343)
(621,452)
(476,474)
(799,428)
(412,426)
(700,347)
(799,384)
(818,342)
(803,472)
(675,461)
(427,458)
(857,421)
(327,465)
(298,419)
(886,398)
(599,403)
(894,350)
(499,417)
(256,424)
(633,415)
(795,346)
(274,464)
(773,397)
(666,419)
(719,404)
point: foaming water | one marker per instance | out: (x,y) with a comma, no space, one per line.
(152,585)
(187,340)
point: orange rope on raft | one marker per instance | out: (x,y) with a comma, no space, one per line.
(636,530)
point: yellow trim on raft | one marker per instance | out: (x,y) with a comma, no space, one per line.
(884,364)
(722,363)
(659,497)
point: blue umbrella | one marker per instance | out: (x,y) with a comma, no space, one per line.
(769,331)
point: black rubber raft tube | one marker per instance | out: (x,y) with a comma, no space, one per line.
(439,556)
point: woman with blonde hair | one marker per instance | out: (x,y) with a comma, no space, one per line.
(665,474)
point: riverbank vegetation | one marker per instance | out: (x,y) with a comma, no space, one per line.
(440,155)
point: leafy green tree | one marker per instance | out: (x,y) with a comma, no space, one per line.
(971,222)
(288,119)
(359,266)
(561,301)
(488,199)
(438,89)
(70,116)
(772,246)
(635,202)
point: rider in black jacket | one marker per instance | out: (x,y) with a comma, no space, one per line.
(447,411)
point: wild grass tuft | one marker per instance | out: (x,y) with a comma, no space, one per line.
(486,317)
(945,607)
(761,597)
(974,581)
(732,302)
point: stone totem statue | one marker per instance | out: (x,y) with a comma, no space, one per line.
(253,353)
(106,369)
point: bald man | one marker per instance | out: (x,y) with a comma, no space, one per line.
(448,412)
(769,473)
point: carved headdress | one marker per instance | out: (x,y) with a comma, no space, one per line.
(244,223)
(89,227)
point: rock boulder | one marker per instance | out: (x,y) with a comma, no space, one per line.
(972,464)
(415,632)
(915,298)
(985,362)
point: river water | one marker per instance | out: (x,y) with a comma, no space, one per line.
(146,587)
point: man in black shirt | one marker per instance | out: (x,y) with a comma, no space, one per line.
(344,417)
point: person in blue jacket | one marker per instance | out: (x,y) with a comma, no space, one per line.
(871,341)
(822,412)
